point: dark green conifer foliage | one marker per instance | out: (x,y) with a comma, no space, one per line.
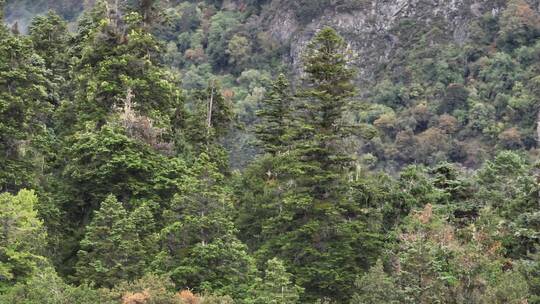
(24,108)
(119,61)
(50,37)
(144,219)
(50,40)
(2,7)
(329,84)
(299,203)
(111,250)
(211,118)
(533,276)
(276,286)
(199,248)
(103,162)
(274,117)
(376,287)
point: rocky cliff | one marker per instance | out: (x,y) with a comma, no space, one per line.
(376,29)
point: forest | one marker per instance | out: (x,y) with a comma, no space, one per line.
(269,152)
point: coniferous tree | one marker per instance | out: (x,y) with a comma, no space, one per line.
(111,250)
(199,248)
(144,220)
(24,108)
(326,225)
(211,118)
(274,117)
(50,40)
(302,211)
(376,287)
(119,61)
(533,277)
(22,239)
(329,84)
(103,162)
(276,287)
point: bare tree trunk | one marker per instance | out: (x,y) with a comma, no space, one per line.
(210,107)
(538,146)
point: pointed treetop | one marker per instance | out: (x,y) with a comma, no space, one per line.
(326,63)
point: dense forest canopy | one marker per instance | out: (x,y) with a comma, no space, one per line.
(254,152)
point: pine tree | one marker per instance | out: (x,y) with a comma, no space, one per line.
(199,248)
(24,108)
(276,287)
(119,59)
(300,206)
(111,250)
(22,238)
(274,117)
(329,84)
(376,287)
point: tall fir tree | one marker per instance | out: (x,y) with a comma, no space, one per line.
(329,84)
(119,60)
(274,117)
(24,108)
(276,287)
(50,39)
(111,251)
(199,248)
(298,203)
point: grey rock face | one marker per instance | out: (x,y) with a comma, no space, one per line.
(373,29)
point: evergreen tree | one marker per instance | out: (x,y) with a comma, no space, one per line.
(211,118)
(111,250)
(50,40)
(46,287)
(274,117)
(329,84)
(276,287)
(376,287)
(22,238)
(199,248)
(301,208)
(24,108)
(144,220)
(533,276)
(119,61)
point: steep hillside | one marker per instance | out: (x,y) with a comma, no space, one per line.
(453,79)
(269,151)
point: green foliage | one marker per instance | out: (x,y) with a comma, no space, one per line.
(376,287)
(105,162)
(352,200)
(296,201)
(199,248)
(24,108)
(220,32)
(111,250)
(434,262)
(212,116)
(22,239)
(324,102)
(46,287)
(119,65)
(274,115)
(276,287)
